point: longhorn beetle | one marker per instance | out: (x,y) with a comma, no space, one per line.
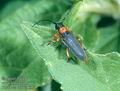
(69,40)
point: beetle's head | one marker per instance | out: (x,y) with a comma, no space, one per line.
(58,25)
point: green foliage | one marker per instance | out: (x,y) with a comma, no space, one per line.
(36,61)
(17,57)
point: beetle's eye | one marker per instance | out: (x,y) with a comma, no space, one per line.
(105,21)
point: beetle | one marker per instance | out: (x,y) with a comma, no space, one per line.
(69,40)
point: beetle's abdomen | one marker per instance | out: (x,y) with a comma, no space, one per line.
(74,46)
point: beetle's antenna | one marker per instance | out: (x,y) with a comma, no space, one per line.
(37,23)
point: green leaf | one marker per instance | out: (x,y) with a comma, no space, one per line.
(108,40)
(110,63)
(101,73)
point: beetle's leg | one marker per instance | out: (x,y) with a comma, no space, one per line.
(55,38)
(80,41)
(68,55)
